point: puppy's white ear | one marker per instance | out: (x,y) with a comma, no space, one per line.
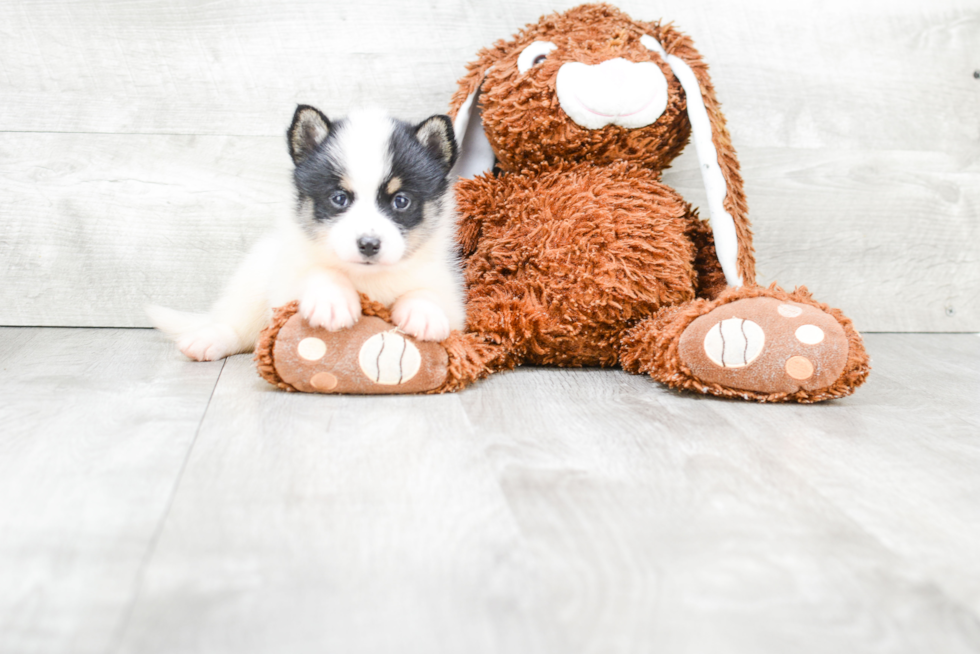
(475,154)
(310,128)
(435,133)
(722,182)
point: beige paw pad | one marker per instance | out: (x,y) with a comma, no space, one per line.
(789,310)
(389,358)
(311,349)
(809,334)
(764,345)
(323,382)
(734,343)
(799,368)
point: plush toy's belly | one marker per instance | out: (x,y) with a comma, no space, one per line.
(575,256)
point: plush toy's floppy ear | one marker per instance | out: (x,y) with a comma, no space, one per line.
(475,154)
(719,165)
(310,127)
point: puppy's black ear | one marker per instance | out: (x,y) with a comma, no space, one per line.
(309,129)
(436,134)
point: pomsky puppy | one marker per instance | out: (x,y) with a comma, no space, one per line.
(375,213)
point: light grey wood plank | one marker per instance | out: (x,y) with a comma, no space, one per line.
(899,458)
(574,511)
(855,123)
(95,226)
(871,75)
(230,67)
(889,237)
(94,428)
(666,525)
(311,523)
(937,375)
(880,75)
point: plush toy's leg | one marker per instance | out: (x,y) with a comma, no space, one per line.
(372,357)
(753,343)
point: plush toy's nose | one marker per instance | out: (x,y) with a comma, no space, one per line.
(615,92)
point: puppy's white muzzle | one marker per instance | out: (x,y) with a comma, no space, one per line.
(363,236)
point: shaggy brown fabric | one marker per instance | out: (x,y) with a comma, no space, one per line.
(266,343)
(577,239)
(651,347)
(561,261)
(528,130)
(711,280)
(468,361)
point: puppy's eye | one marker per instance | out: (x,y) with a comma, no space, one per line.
(339,199)
(534,55)
(401,202)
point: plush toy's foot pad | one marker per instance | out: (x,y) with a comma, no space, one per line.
(765,345)
(372,357)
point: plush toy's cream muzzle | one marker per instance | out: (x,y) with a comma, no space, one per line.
(615,92)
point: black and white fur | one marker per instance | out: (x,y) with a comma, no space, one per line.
(375,214)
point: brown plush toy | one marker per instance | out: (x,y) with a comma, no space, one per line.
(574,251)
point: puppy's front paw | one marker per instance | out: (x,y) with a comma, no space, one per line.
(420,318)
(328,305)
(209,343)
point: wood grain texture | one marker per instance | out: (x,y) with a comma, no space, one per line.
(116,225)
(891,75)
(891,238)
(556,511)
(95,426)
(141,143)
(225,67)
(345,525)
(94,226)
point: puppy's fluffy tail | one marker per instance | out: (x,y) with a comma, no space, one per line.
(200,337)
(176,324)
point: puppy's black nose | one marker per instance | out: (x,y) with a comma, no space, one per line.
(369,245)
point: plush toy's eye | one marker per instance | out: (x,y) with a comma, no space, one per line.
(339,199)
(401,202)
(534,54)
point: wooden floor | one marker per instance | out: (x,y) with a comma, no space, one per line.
(149,504)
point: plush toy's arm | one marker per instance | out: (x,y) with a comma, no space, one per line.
(468,235)
(711,278)
(475,201)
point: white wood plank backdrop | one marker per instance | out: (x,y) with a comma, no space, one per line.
(142,150)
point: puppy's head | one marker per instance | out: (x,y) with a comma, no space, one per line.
(371,188)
